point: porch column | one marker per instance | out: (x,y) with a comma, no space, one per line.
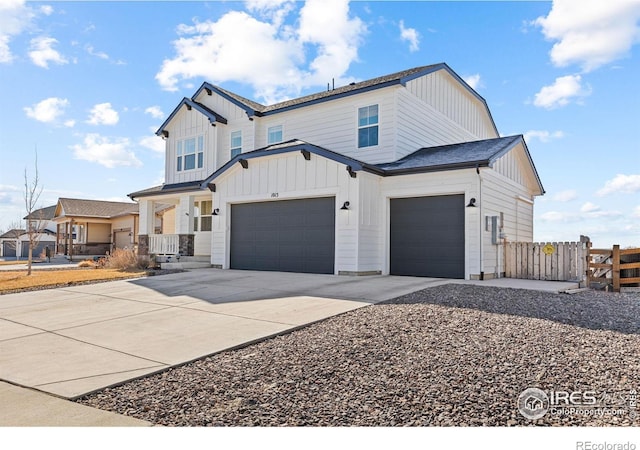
(146,209)
(184,224)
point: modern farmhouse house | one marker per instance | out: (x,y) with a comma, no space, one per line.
(403,174)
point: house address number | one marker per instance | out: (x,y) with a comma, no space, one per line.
(274,195)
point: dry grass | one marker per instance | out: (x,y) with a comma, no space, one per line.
(11,281)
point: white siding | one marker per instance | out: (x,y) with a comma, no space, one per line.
(515,166)
(421,125)
(282,177)
(202,243)
(334,124)
(440,90)
(188,124)
(371,225)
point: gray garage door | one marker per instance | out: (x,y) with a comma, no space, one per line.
(38,249)
(285,235)
(9,249)
(427,236)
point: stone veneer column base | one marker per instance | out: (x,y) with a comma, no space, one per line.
(143,244)
(185,244)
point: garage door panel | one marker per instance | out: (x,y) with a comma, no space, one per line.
(427,236)
(284,235)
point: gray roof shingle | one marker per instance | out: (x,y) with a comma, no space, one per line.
(96,208)
(42,213)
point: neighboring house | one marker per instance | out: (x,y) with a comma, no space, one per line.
(403,174)
(10,243)
(93,227)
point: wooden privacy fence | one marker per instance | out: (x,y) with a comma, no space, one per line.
(615,267)
(551,261)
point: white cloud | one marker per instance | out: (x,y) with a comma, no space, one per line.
(103,114)
(109,152)
(48,110)
(410,35)
(590,33)
(92,51)
(621,184)
(473,80)
(561,92)
(589,208)
(155,112)
(268,54)
(565,196)
(154,143)
(42,52)
(15,17)
(69,123)
(636,212)
(47,10)
(543,136)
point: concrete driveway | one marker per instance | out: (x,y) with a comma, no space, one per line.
(75,340)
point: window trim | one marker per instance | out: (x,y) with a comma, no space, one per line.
(369,125)
(200,213)
(281,126)
(198,153)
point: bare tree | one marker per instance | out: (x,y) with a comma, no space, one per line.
(35,225)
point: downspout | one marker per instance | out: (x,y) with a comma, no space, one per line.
(480,236)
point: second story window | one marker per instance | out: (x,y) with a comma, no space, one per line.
(274,135)
(236,143)
(190,153)
(368,126)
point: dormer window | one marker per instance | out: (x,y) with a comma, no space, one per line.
(274,135)
(368,126)
(190,153)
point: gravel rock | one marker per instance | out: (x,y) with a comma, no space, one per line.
(454,355)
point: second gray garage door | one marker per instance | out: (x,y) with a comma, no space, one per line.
(285,235)
(427,236)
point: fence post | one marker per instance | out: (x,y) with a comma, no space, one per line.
(616,268)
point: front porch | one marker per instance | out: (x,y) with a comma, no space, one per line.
(175,226)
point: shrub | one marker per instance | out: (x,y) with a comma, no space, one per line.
(123,259)
(86,263)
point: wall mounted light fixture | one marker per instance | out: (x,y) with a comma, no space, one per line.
(472,203)
(345,206)
(215,212)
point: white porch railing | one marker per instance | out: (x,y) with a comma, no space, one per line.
(164,244)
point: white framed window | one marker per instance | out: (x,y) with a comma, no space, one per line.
(202,215)
(368,126)
(236,143)
(190,153)
(274,135)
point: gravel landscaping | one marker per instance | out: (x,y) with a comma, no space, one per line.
(454,355)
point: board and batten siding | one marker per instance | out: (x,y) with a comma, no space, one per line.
(440,90)
(188,124)
(370,224)
(282,177)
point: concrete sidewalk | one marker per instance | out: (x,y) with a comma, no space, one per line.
(76,340)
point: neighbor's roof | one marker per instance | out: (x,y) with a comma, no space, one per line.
(12,234)
(96,208)
(43,213)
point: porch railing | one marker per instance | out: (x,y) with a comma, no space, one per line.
(164,244)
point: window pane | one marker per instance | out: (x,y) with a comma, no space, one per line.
(205,208)
(205,223)
(373,135)
(363,115)
(363,137)
(275,134)
(179,163)
(236,139)
(189,146)
(200,160)
(179,149)
(373,114)
(200,143)
(189,162)
(235,152)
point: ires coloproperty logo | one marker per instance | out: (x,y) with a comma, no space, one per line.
(534,403)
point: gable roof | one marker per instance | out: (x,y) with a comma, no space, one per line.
(253,108)
(43,213)
(12,234)
(189,103)
(94,208)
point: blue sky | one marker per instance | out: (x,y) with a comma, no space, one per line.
(88,83)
